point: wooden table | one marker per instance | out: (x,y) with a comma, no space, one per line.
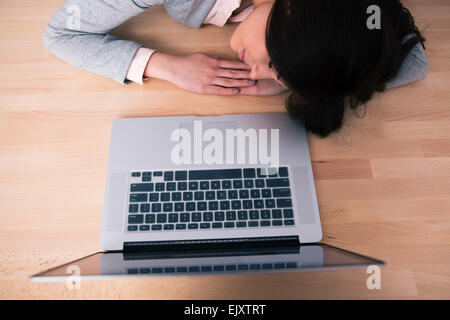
(383,183)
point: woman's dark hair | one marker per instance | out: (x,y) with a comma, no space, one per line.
(326,53)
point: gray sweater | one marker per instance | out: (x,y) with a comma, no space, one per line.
(79,34)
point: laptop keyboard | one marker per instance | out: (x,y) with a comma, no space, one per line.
(174,200)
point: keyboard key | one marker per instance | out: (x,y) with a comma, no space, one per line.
(237,184)
(254,214)
(145,207)
(169,227)
(184,217)
(157,174)
(135,174)
(226,184)
(265,214)
(207,216)
(217,225)
(196,216)
(150,218)
(156,227)
(219,216)
(176,196)
(205,225)
(204,185)
(173,217)
(247,204)
(181,186)
(229,224)
(277,182)
(277,222)
(258,203)
(233,194)
(180,175)
(165,196)
(168,207)
(249,173)
(215,184)
(213,205)
(276,214)
(288,213)
(248,184)
(243,194)
(264,223)
(179,206)
(156,207)
(266,193)
(270,203)
(215,174)
(168,175)
(154,197)
(281,192)
(161,218)
(145,179)
(221,195)
(236,204)
(193,226)
(255,193)
(132,228)
(132,208)
(144,227)
(190,206)
(140,187)
(241,224)
(199,195)
(283,172)
(159,186)
(289,222)
(242,215)
(259,183)
(202,206)
(210,195)
(193,185)
(253,223)
(224,205)
(284,203)
(171,186)
(138,197)
(180,226)
(231,215)
(135,218)
(146,174)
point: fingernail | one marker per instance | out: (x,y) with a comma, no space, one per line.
(251,81)
(236,90)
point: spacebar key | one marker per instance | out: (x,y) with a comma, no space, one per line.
(215,174)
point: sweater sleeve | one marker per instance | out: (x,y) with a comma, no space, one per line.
(413,68)
(78,33)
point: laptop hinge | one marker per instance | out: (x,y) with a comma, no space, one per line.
(205,244)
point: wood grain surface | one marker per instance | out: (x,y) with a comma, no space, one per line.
(383,182)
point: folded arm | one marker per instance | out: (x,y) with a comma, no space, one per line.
(79,31)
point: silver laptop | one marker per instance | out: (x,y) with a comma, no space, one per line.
(193,184)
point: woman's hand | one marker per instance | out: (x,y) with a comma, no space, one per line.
(198,72)
(264,87)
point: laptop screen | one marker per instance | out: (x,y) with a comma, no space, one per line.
(314,257)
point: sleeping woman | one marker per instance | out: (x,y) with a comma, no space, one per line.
(325,52)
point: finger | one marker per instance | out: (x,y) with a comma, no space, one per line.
(233,83)
(229,64)
(221,90)
(252,91)
(233,73)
